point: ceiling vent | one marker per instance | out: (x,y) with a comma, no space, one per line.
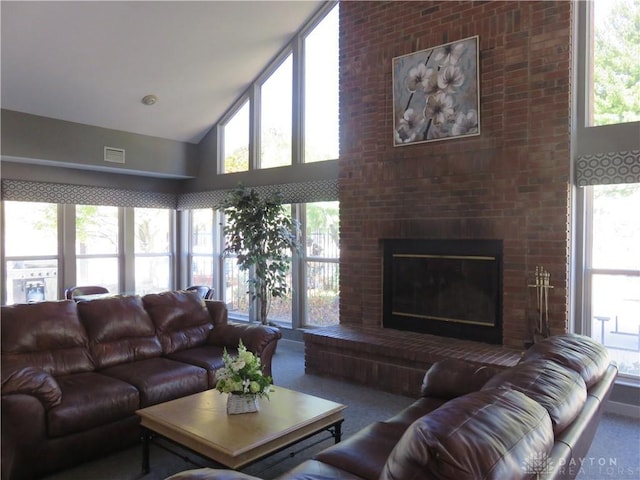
(114,155)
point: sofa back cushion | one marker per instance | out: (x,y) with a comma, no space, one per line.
(560,390)
(119,329)
(489,434)
(577,352)
(181,318)
(45,335)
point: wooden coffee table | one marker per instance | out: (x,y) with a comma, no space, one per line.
(200,423)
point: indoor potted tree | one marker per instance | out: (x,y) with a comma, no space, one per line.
(262,236)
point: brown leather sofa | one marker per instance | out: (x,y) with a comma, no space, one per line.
(73,374)
(534,420)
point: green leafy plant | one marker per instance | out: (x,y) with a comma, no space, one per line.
(262,236)
(242,374)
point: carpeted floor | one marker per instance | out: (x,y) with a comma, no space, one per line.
(614,453)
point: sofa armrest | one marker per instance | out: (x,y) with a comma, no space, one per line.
(451,378)
(33,381)
(24,433)
(218,312)
(259,339)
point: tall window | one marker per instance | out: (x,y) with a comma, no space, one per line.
(235,288)
(295,115)
(615,90)
(275,116)
(313,297)
(281,308)
(321,90)
(321,263)
(236,141)
(31,251)
(153,250)
(277,102)
(201,247)
(124,249)
(608,166)
(613,272)
(97,246)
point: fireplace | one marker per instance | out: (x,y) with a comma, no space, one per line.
(451,288)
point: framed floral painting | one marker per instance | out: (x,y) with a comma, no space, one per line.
(436,93)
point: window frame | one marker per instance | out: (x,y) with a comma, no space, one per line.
(589,140)
(170,254)
(304,33)
(66,256)
(257,96)
(84,256)
(603,138)
(189,250)
(220,130)
(295,48)
(304,260)
(298,271)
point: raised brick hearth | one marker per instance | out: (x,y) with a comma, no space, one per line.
(391,360)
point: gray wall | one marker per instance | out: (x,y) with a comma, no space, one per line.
(46,141)
(74,176)
(43,149)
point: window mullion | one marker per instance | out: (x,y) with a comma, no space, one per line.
(255,109)
(297,106)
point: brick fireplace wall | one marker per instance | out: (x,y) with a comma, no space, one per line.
(511,182)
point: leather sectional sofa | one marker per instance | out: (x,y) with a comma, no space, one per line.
(73,374)
(534,420)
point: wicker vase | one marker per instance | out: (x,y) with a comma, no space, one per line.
(237,403)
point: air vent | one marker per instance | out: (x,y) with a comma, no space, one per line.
(114,155)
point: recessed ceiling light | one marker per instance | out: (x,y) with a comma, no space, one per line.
(149,99)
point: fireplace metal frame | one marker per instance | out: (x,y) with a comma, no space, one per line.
(459,248)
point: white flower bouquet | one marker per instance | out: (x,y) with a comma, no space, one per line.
(242,375)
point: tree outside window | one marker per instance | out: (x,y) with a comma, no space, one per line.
(616,62)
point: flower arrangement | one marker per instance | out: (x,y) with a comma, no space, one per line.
(242,375)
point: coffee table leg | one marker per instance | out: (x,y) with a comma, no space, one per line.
(338,431)
(146,438)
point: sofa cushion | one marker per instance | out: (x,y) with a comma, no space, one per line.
(45,335)
(181,319)
(578,352)
(119,330)
(90,400)
(490,434)
(450,378)
(160,379)
(377,440)
(207,357)
(560,390)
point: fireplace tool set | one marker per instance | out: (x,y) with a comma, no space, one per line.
(542,286)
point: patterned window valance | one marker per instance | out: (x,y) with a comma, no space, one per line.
(25,191)
(608,168)
(318,191)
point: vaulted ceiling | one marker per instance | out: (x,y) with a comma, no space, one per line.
(93,62)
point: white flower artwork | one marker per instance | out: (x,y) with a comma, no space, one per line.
(436,93)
